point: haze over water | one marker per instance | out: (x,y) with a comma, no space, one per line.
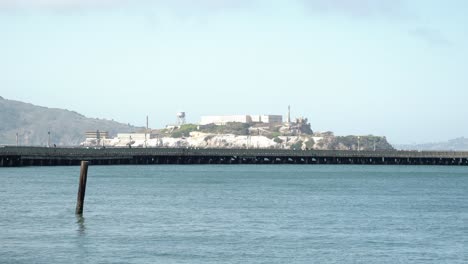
(236,214)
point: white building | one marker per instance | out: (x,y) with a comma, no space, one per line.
(222,120)
(97,134)
(271,119)
(133,136)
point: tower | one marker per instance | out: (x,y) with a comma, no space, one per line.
(289,114)
(180,118)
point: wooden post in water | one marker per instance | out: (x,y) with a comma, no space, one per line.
(82,188)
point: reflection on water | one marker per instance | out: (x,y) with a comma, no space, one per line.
(80,220)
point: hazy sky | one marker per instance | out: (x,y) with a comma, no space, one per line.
(393,68)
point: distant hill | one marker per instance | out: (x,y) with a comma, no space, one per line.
(458,144)
(32,123)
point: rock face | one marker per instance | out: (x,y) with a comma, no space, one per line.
(32,123)
(207,140)
(203,140)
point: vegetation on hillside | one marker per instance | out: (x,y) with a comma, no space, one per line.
(325,140)
(184,130)
(229,128)
(32,123)
(369,142)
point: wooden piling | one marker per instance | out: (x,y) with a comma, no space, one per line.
(82,188)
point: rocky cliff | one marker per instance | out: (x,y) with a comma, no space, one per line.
(196,139)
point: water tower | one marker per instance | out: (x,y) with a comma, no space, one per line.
(180,118)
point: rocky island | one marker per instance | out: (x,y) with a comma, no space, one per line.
(292,135)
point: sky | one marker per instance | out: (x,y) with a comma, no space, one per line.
(390,68)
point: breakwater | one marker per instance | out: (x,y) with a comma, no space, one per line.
(42,156)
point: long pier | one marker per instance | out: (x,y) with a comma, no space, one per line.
(42,156)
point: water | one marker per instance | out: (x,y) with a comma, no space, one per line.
(235,214)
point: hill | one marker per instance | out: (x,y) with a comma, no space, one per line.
(32,124)
(457,144)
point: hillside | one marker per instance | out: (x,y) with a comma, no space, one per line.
(458,144)
(32,123)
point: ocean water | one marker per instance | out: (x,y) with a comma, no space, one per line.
(235,214)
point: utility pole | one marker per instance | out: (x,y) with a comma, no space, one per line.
(82,188)
(98,138)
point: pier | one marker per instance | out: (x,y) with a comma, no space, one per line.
(42,156)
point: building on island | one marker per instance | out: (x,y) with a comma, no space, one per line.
(222,120)
(133,136)
(268,119)
(247,119)
(97,134)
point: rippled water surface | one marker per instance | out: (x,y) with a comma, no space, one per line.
(235,214)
